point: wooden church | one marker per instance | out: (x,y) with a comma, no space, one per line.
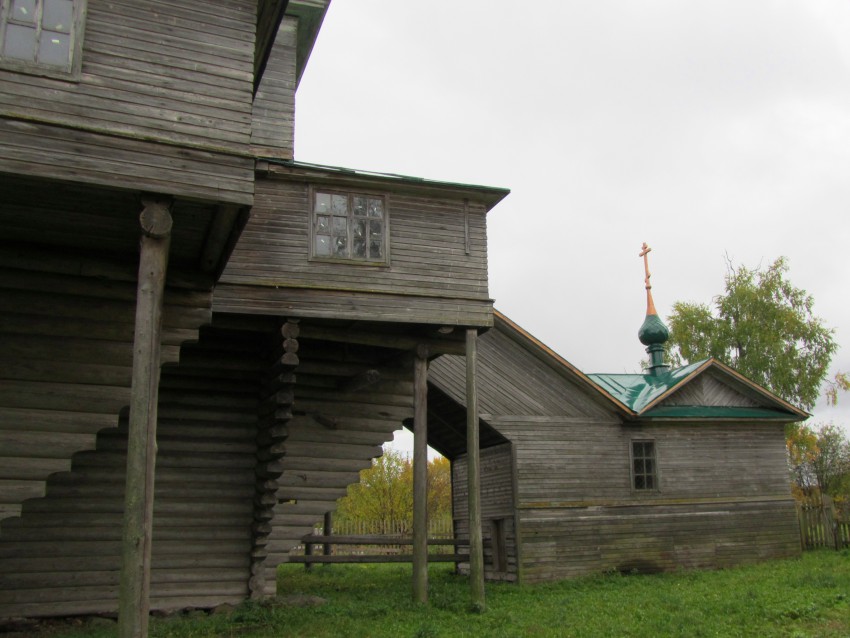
(202,341)
(667,469)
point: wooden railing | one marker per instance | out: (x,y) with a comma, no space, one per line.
(364,541)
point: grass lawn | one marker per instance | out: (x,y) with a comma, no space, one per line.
(804,597)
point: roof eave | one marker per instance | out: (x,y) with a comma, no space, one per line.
(545,352)
(338,175)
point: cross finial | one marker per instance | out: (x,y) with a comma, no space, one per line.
(650,305)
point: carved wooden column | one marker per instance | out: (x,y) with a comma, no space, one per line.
(274,413)
(420,475)
(134,590)
(473,471)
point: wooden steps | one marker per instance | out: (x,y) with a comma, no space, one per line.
(66,349)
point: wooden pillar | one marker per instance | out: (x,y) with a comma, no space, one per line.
(473,471)
(420,475)
(134,592)
(327,530)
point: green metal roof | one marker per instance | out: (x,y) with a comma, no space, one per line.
(639,390)
(640,393)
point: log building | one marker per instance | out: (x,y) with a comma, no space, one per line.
(204,340)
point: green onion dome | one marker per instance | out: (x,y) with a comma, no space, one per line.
(653,331)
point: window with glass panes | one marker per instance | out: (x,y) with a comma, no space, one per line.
(43,35)
(644,470)
(349,226)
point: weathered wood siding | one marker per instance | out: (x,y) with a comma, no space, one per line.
(163,102)
(513,382)
(272,132)
(572,542)
(497,510)
(708,390)
(430,277)
(724,496)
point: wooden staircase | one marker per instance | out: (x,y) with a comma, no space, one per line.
(66,350)
(261,429)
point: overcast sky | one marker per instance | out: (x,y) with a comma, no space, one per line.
(705,128)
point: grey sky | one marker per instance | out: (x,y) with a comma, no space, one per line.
(704,128)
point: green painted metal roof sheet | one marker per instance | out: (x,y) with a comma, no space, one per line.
(637,391)
(714,413)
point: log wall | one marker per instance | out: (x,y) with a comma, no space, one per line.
(66,347)
(332,436)
(63,555)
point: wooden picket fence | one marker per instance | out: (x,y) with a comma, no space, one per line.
(823,524)
(438,528)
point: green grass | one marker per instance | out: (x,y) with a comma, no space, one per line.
(795,598)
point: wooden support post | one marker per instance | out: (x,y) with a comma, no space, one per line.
(473,471)
(308,551)
(134,592)
(420,475)
(327,530)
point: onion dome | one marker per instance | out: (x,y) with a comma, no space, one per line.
(653,333)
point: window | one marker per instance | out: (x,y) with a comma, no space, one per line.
(349,226)
(644,469)
(41,36)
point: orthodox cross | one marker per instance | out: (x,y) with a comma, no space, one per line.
(650,305)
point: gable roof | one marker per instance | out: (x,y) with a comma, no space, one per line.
(556,361)
(707,390)
(651,396)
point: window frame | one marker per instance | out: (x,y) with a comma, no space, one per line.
(73,69)
(655,474)
(384,262)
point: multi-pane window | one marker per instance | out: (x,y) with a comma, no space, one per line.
(644,468)
(40,34)
(349,226)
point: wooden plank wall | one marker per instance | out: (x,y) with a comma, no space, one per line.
(273,129)
(62,556)
(497,504)
(429,265)
(571,542)
(724,497)
(513,381)
(155,77)
(707,389)
(66,345)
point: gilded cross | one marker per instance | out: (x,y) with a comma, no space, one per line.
(643,253)
(650,305)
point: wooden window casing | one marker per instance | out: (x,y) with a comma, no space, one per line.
(644,466)
(349,227)
(42,37)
